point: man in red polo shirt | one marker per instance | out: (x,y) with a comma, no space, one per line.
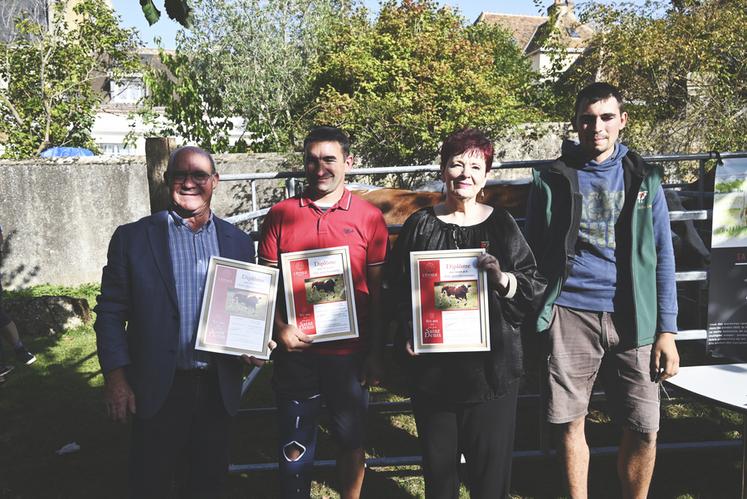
(326,215)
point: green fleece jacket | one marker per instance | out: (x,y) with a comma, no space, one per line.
(553,218)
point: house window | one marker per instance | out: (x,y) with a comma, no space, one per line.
(572,33)
(126,90)
(112,149)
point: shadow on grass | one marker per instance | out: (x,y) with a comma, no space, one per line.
(54,402)
(51,403)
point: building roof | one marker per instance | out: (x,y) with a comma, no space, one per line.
(522,28)
(529,32)
(573,35)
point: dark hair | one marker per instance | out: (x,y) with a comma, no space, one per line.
(193,149)
(465,140)
(327,134)
(596,92)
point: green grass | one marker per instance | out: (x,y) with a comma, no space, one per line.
(731,231)
(87,291)
(57,400)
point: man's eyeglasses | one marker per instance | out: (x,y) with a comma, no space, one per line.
(199,178)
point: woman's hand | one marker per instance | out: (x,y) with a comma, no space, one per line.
(409,350)
(490,265)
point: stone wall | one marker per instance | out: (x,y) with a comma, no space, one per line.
(57,216)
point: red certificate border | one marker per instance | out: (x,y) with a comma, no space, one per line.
(213,297)
(296,306)
(426,318)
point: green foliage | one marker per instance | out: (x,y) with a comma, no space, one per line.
(50,98)
(192,101)
(178,10)
(151,13)
(403,83)
(730,186)
(247,59)
(681,67)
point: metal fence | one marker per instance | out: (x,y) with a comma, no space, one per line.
(699,275)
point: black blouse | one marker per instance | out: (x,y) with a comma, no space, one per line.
(468,376)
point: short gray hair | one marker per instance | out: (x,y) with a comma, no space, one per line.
(193,149)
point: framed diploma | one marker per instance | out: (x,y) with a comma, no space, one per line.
(238,308)
(450,301)
(319,293)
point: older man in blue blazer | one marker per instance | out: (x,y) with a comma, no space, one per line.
(181,400)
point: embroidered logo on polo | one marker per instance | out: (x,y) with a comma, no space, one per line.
(642,200)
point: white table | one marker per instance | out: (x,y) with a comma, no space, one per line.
(725,385)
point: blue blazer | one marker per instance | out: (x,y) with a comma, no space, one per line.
(137,315)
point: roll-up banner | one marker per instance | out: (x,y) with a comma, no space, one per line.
(727,288)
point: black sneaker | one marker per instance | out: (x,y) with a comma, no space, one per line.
(25,356)
(4,371)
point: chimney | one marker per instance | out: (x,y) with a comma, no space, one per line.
(561,6)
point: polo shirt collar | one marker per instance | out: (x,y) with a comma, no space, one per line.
(342,204)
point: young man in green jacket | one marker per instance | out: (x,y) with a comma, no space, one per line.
(599,226)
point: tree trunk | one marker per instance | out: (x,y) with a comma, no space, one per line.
(157,152)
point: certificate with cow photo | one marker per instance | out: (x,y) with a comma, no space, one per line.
(450,301)
(319,293)
(238,308)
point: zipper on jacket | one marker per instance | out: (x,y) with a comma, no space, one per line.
(630,256)
(573,227)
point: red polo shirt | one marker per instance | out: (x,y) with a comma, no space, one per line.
(297,224)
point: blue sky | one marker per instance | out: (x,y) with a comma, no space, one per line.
(132,16)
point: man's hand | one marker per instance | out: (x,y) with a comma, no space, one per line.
(291,339)
(373,370)
(118,396)
(665,361)
(253,361)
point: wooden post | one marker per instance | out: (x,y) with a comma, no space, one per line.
(157,151)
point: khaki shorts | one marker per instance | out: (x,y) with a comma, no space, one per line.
(583,344)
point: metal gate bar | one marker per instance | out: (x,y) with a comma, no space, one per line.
(545,452)
(519,455)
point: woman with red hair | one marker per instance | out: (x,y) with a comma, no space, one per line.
(465,403)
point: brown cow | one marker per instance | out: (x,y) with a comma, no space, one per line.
(398,204)
(249,302)
(691,251)
(458,292)
(327,286)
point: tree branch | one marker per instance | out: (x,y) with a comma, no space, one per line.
(12,108)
